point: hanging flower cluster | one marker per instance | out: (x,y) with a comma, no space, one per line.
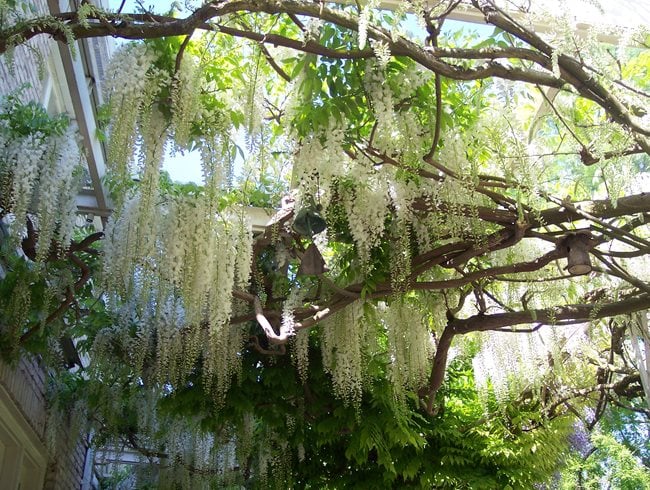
(398,132)
(319,161)
(186,107)
(410,345)
(382,52)
(130,80)
(366,193)
(342,350)
(366,209)
(181,289)
(300,354)
(178,291)
(39,173)
(508,363)
(57,190)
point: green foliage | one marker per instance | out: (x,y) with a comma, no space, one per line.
(609,463)
(10,10)
(615,453)
(383,445)
(40,286)
(26,118)
(446,210)
(117,477)
(627,426)
(31,286)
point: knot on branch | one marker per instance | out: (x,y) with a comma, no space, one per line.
(586,157)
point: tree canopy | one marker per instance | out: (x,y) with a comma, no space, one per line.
(452,288)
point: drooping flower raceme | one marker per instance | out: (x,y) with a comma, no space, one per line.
(39,174)
(182,287)
(128,82)
(57,189)
(410,345)
(342,337)
(186,106)
(508,363)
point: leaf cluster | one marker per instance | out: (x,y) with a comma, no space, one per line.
(28,118)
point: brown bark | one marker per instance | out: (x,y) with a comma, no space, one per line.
(146,26)
(439,365)
(561,315)
(564,315)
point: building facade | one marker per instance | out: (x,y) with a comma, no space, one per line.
(63,82)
